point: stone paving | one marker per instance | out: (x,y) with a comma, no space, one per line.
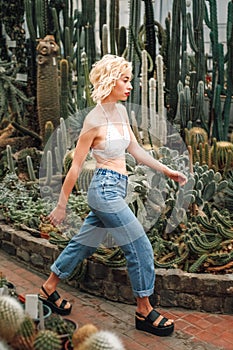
(193,330)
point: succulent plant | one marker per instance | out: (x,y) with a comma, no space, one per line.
(102,340)
(47,340)
(11,317)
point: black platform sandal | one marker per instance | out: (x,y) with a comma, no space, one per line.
(51,302)
(145,323)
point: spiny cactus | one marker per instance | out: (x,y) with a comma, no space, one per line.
(82,333)
(47,340)
(11,317)
(222,154)
(60,325)
(195,135)
(102,340)
(25,336)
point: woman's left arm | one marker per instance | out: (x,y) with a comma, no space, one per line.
(145,158)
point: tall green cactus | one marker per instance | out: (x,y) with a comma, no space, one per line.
(198,29)
(133,55)
(47,83)
(89,17)
(114,25)
(149,24)
(174,58)
(229,93)
(144,98)
(102,22)
(64,90)
(160,86)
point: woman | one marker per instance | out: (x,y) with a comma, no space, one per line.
(106,131)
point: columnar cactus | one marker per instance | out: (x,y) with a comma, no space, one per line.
(144,124)
(11,317)
(47,83)
(47,340)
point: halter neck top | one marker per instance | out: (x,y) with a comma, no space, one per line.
(115,143)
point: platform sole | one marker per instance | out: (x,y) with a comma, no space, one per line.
(149,328)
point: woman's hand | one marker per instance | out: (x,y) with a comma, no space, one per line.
(178,177)
(57,215)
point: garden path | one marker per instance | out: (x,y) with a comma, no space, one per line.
(193,330)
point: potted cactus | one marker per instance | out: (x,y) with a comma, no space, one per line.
(62,326)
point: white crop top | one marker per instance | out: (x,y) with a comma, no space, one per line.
(115,143)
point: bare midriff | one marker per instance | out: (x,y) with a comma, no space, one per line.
(117,165)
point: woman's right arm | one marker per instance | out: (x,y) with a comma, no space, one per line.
(82,148)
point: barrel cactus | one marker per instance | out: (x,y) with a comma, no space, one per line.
(196,135)
(82,333)
(222,154)
(47,340)
(102,340)
(11,317)
(25,335)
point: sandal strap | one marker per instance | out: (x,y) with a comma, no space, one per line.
(152,317)
(53,297)
(63,304)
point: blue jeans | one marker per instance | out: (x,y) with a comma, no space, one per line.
(111,221)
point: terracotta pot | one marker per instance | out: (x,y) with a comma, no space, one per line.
(44,235)
(67,345)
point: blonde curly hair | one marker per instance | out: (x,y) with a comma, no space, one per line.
(105,73)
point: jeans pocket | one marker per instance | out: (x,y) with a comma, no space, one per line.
(109,186)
